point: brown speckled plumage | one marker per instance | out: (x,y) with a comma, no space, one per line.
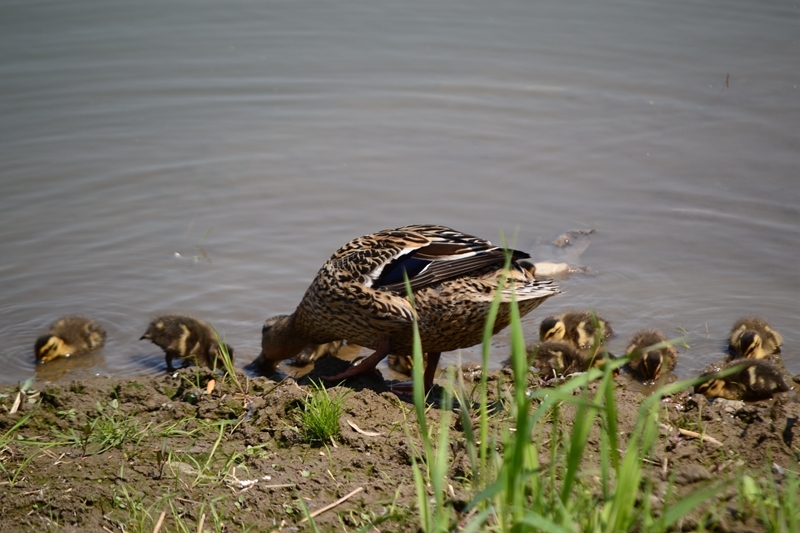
(651,364)
(186,338)
(359,295)
(69,335)
(752,380)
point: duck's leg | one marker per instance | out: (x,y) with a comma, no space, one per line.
(407,387)
(366,365)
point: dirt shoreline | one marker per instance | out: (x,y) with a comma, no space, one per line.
(238,463)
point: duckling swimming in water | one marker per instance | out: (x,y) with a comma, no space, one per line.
(652,364)
(754,380)
(753,338)
(578,328)
(558,358)
(69,335)
(186,338)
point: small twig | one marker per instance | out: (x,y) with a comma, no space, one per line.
(160,522)
(16,403)
(687,433)
(279,486)
(359,430)
(334,504)
(201,523)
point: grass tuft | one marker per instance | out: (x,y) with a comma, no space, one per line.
(320,414)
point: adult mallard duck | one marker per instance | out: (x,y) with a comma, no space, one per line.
(185,337)
(578,328)
(753,338)
(359,294)
(752,380)
(650,364)
(69,335)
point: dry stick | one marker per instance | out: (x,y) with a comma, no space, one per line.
(687,433)
(201,523)
(160,521)
(334,504)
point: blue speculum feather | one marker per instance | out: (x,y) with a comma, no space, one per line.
(393,272)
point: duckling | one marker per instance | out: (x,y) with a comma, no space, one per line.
(558,358)
(312,352)
(575,327)
(650,365)
(69,335)
(404,363)
(753,338)
(186,338)
(752,381)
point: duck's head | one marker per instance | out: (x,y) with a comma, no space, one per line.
(652,362)
(152,328)
(749,345)
(714,388)
(552,328)
(217,349)
(279,341)
(49,347)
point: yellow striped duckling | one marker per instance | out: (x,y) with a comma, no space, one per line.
(753,338)
(558,358)
(69,335)
(186,338)
(403,363)
(359,294)
(578,328)
(647,364)
(312,352)
(753,380)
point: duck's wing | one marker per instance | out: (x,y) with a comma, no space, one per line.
(429,254)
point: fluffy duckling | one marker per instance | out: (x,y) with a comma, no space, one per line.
(558,358)
(404,363)
(312,352)
(578,328)
(753,338)
(69,335)
(752,381)
(186,338)
(652,364)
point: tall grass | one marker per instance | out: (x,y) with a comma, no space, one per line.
(523,480)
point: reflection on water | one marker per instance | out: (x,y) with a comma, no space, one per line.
(207,159)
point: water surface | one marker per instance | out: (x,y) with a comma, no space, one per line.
(207,158)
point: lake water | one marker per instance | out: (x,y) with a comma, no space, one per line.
(207,157)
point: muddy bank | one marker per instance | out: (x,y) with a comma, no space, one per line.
(113,454)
